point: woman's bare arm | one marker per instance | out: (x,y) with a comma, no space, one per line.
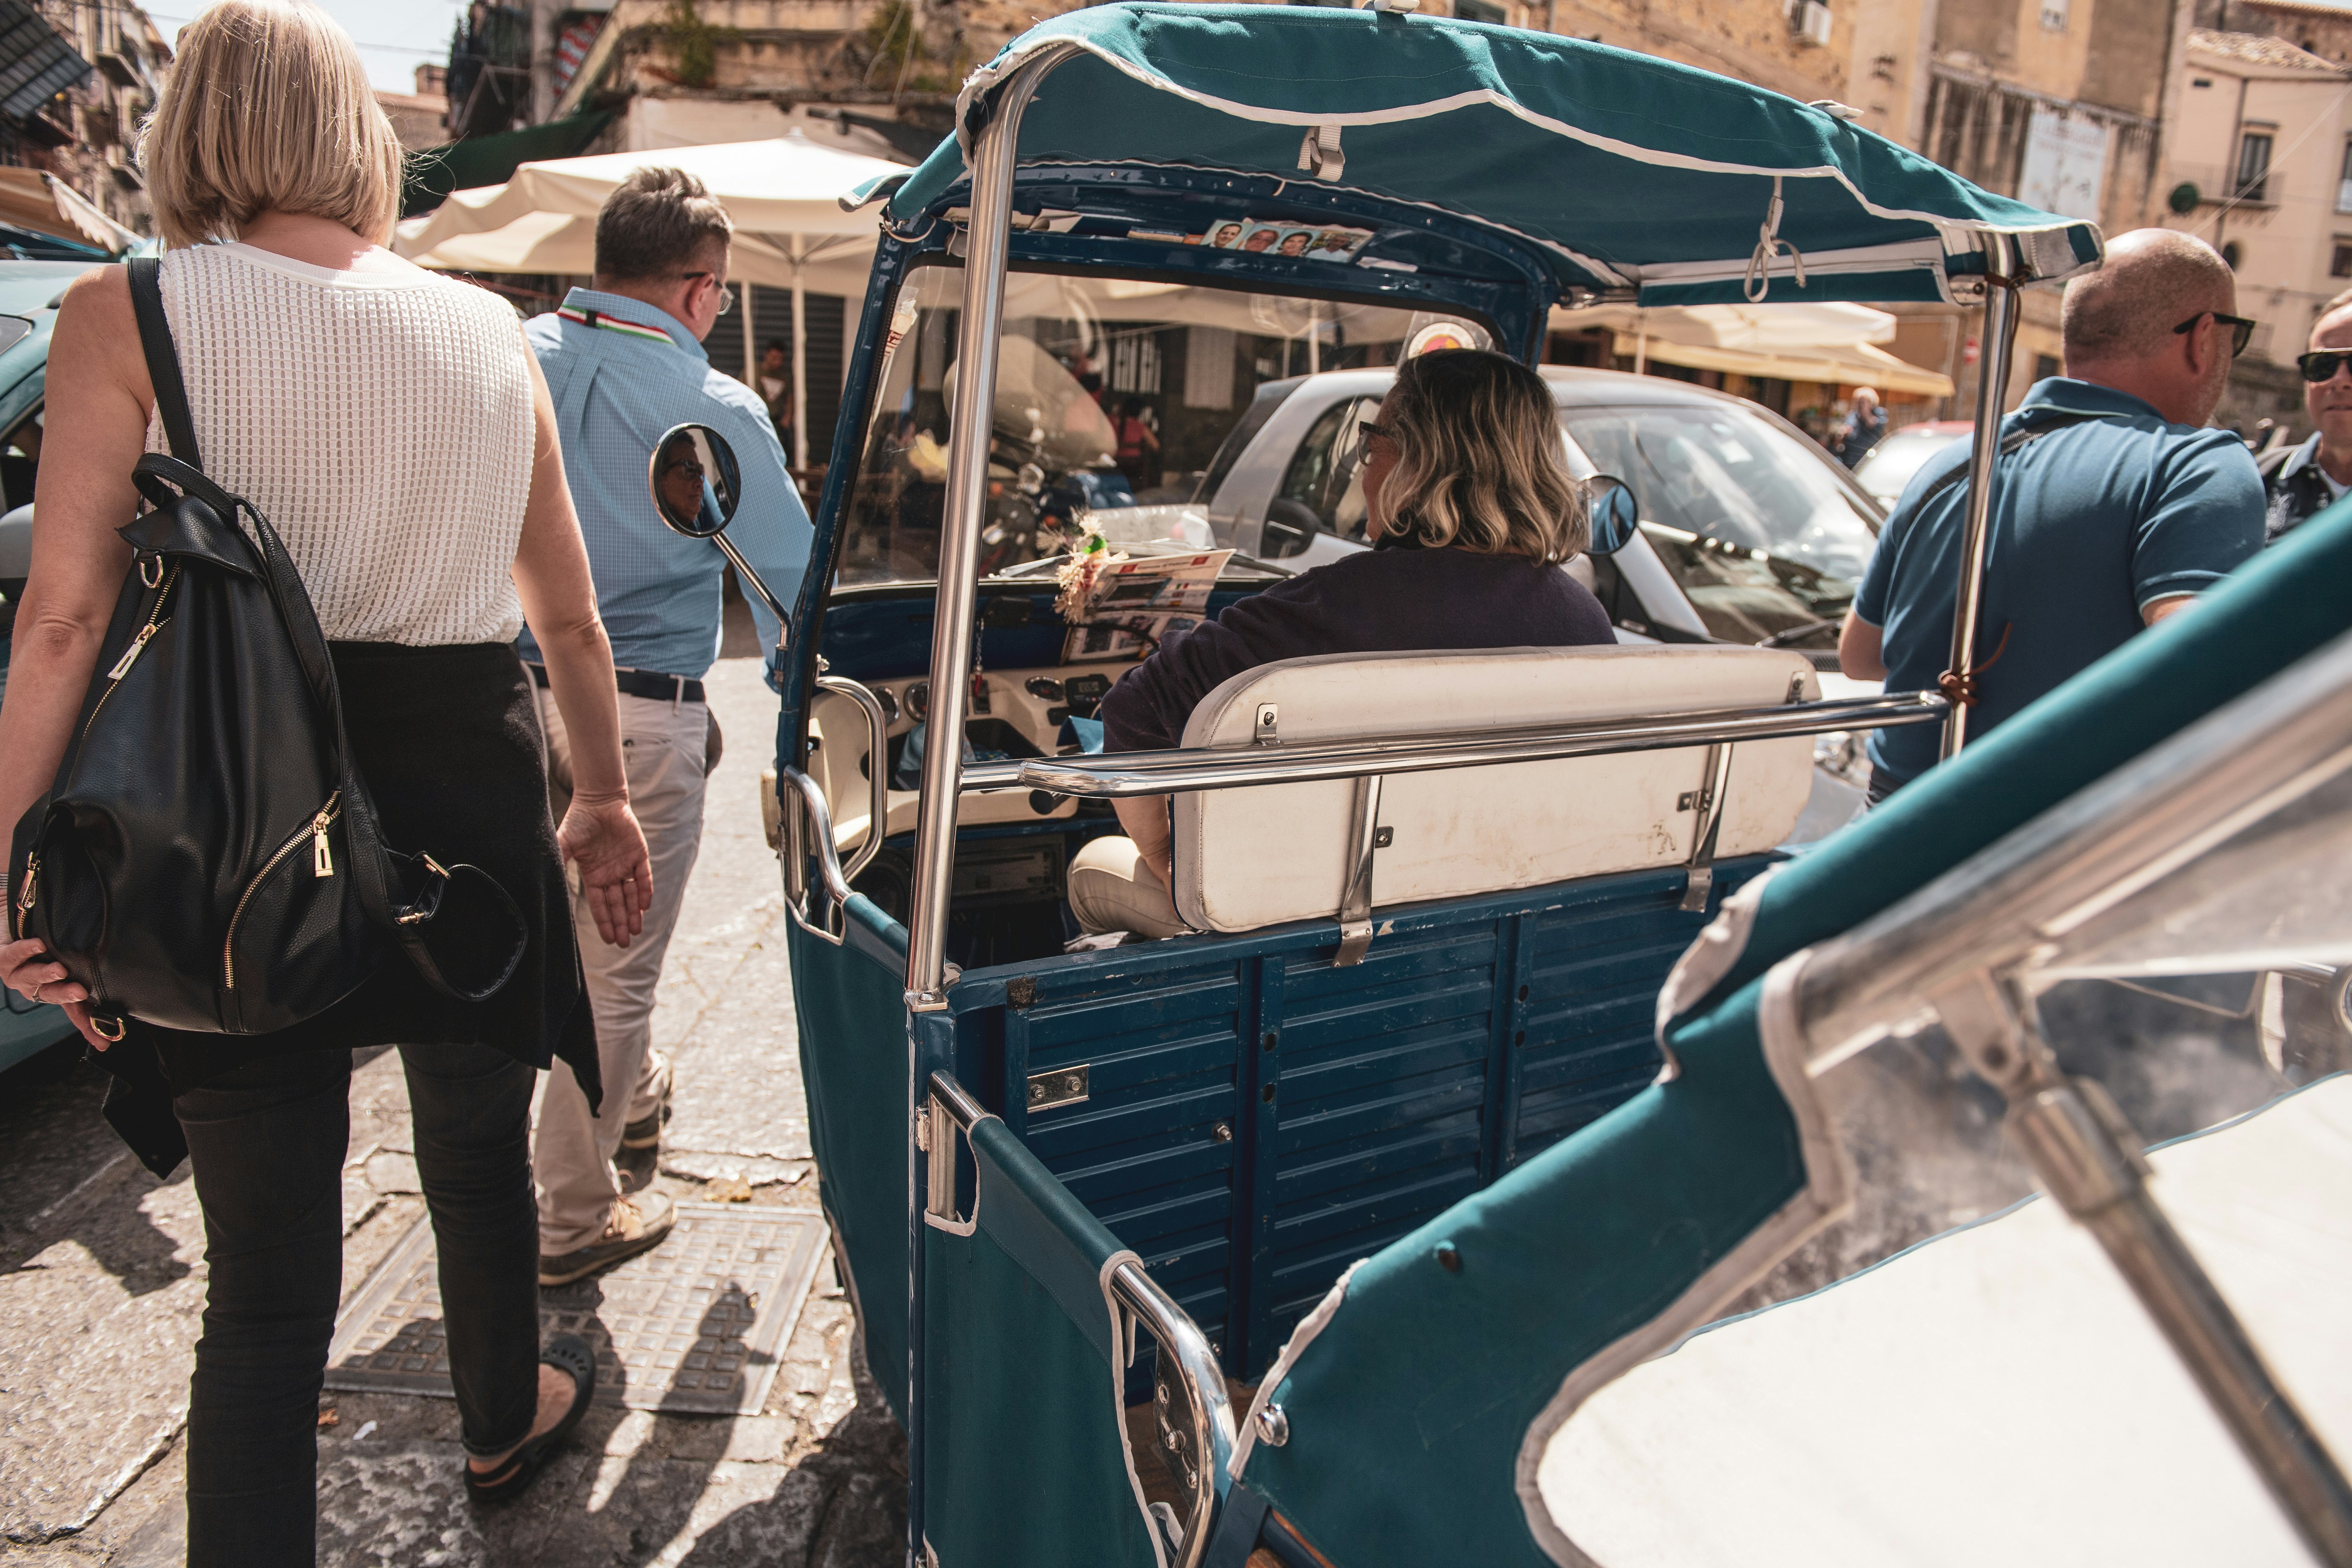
(94,429)
(559,599)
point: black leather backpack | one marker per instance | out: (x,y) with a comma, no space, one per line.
(209,859)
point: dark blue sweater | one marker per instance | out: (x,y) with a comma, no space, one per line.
(1388,600)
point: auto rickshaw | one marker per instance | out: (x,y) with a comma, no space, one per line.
(1345,1229)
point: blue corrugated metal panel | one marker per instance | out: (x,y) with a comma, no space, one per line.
(1258,1119)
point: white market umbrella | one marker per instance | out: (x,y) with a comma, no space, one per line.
(1798,341)
(790,232)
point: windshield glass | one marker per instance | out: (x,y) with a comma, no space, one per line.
(1720,473)
(1890,466)
(1954,1336)
(1113,396)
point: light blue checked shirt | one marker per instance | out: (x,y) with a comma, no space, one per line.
(616,393)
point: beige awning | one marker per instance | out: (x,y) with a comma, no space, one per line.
(46,205)
(1846,364)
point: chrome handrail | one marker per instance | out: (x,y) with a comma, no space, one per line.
(1186,1350)
(1130,774)
(1213,1435)
(877,767)
(796,853)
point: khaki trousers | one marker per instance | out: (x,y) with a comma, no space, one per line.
(1112,889)
(663,746)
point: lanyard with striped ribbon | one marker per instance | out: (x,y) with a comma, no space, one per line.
(613,324)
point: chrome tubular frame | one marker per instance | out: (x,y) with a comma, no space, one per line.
(877,736)
(808,831)
(1993,387)
(1188,1358)
(1130,774)
(1953,950)
(987,242)
(1185,1353)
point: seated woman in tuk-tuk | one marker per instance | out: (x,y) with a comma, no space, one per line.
(1463,469)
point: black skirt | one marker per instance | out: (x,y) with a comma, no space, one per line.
(447,739)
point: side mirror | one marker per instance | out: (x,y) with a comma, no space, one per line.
(1609,504)
(696,482)
(697,485)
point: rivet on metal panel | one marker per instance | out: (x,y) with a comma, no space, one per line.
(1059,1086)
(1796,688)
(1269,725)
(1222,1132)
(1273,1427)
(1383,836)
(1449,1258)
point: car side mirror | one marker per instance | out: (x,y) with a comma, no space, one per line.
(1290,527)
(1608,505)
(697,485)
(695,479)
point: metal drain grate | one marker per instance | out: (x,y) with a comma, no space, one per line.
(692,1326)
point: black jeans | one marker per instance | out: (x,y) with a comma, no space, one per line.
(266,1145)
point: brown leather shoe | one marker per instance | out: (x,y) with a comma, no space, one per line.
(639,1223)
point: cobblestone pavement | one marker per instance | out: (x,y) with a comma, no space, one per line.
(102,1281)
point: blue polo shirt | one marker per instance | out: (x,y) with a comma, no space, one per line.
(2091,523)
(615,392)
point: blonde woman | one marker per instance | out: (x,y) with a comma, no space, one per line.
(1470,511)
(393,426)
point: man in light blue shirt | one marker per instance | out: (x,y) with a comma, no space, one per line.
(624,364)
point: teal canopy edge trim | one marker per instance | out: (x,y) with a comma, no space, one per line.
(2283,606)
(1407,1414)
(852,1006)
(1623,103)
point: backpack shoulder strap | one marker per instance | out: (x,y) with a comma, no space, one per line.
(162,359)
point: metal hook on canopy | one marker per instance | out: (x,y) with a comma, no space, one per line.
(1769,246)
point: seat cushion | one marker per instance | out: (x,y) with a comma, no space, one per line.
(1252,858)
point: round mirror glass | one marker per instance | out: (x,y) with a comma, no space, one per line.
(696,483)
(1609,502)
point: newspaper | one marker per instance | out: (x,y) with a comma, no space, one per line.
(1125,609)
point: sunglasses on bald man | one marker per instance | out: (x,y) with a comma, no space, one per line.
(2242,327)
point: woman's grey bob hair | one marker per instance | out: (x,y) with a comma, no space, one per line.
(1480,465)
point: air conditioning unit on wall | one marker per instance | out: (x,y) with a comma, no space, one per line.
(1810,20)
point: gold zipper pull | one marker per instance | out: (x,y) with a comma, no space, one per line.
(32,876)
(138,646)
(322,864)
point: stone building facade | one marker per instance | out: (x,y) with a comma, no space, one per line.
(88,134)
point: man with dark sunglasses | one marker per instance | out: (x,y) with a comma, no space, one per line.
(2115,504)
(2308,480)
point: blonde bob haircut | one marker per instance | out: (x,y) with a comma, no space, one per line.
(269,109)
(1479,461)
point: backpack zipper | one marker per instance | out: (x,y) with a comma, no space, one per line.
(155,622)
(322,864)
(25,898)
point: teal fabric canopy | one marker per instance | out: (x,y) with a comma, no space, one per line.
(1639,177)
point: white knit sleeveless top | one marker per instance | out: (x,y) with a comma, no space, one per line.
(381,421)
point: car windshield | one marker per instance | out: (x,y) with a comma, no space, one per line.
(1113,396)
(1754,526)
(1889,467)
(1725,475)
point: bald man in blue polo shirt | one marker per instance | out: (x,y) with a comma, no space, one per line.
(2114,508)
